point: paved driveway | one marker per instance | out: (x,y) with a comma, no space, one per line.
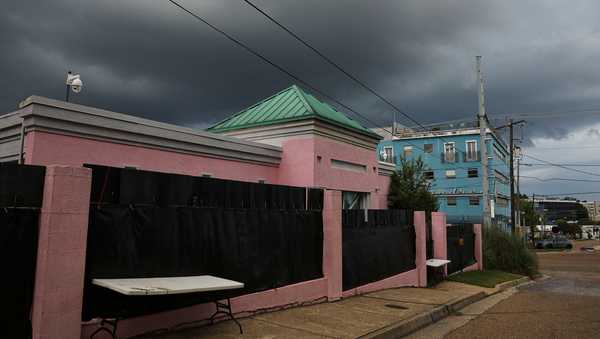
(566,305)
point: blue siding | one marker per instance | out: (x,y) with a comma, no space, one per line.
(462,187)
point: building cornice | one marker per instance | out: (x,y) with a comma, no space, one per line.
(53,116)
(274,134)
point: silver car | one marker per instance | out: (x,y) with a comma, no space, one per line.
(557,241)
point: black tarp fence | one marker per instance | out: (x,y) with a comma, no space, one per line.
(375,245)
(460,246)
(154,232)
(21,194)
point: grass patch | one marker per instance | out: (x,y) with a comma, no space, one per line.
(489,278)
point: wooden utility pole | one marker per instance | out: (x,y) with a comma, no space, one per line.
(511,141)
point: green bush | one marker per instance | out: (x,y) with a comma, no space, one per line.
(508,253)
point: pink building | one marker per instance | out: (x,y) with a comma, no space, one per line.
(290,138)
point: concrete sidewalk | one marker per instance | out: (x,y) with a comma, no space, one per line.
(385,313)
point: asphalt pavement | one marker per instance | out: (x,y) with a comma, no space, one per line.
(566,304)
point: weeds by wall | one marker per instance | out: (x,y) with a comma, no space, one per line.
(507,252)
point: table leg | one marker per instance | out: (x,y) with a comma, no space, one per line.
(103,328)
(225,308)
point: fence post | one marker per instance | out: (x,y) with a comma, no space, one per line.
(421,247)
(332,243)
(439,236)
(58,293)
(478,246)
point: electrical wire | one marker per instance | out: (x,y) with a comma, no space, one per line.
(282,69)
(332,63)
(562,166)
(557,179)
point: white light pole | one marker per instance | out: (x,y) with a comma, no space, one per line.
(484,159)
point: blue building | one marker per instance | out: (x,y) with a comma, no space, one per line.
(453,158)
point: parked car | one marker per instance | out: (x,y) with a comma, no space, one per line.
(557,241)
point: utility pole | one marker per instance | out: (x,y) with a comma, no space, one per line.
(483,146)
(511,170)
(518,198)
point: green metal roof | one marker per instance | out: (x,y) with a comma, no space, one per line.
(291,104)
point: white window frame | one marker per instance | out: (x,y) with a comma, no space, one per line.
(467,150)
(447,154)
(390,158)
(407,148)
(455,201)
(453,176)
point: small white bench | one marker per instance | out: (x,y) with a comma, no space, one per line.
(438,266)
(169,285)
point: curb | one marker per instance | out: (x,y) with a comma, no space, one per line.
(513,283)
(420,321)
(417,322)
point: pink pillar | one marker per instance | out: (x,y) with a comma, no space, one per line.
(421,247)
(58,294)
(332,243)
(478,246)
(438,234)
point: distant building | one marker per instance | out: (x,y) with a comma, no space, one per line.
(593,208)
(557,209)
(452,153)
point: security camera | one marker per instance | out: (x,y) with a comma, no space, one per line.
(74,81)
(76,85)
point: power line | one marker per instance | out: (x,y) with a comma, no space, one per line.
(272,63)
(283,70)
(558,179)
(332,63)
(573,165)
(565,194)
(562,166)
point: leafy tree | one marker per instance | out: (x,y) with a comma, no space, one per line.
(530,217)
(409,189)
(567,228)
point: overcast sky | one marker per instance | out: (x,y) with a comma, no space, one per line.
(150,59)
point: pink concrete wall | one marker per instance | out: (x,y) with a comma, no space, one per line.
(332,238)
(58,293)
(421,249)
(438,234)
(297,167)
(47,149)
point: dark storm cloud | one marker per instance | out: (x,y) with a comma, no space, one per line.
(150,59)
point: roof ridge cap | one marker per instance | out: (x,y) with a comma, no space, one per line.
(246,109)
(301,94)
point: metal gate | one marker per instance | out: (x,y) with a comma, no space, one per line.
(460,246)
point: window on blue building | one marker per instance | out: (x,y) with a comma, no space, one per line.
(428,175)
(449,152)
(474,201)
(471,150)
(450,174)
(451,201)
(428,148)
(407,151)
(472,173)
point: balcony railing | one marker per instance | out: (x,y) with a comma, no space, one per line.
(470,157)
(449,157)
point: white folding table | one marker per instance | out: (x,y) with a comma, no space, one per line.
(438,266)
(169,285)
